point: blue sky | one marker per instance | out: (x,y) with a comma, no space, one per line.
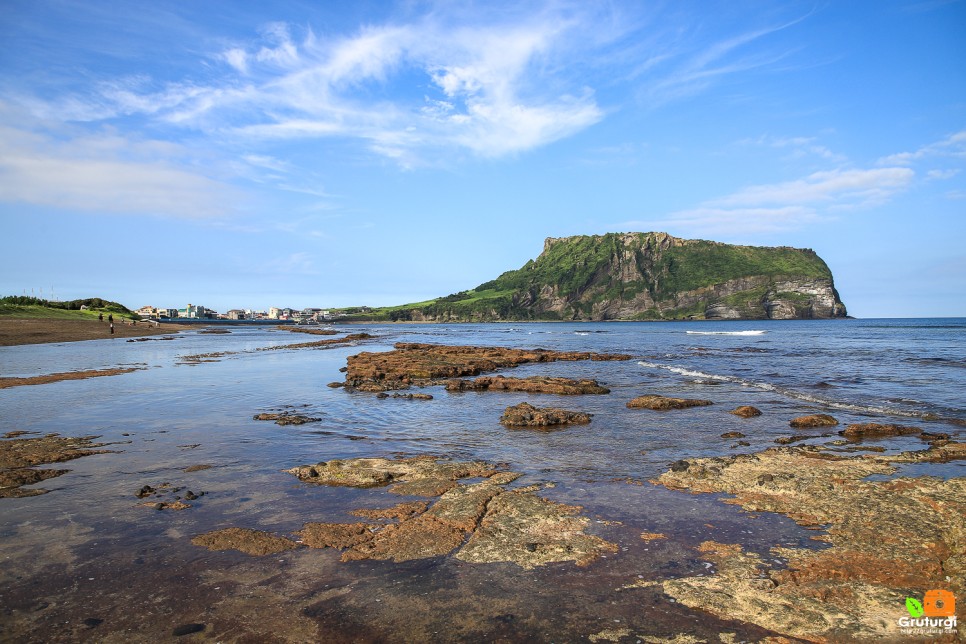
(250,154)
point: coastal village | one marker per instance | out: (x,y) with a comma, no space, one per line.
(274,314)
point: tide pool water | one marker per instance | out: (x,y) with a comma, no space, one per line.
(88,550)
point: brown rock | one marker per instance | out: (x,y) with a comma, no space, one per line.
(167,505)
(57,377)
(12,480)
(788,440)
(251,542)
(286,418)
(662,403)
(406,396)
(533,384)
(378,472)
(352,337)
(814,420)
(401,511)
(302,329)
(417,538)
(426,486)
(746,411)
(335,535)
(422,364)
(17,455)
(522,528)
(530,531)
(526,415)
(875,430)
(732,435)
(939,452)
(885,537)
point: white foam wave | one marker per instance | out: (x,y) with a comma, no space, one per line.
(758,332)
(784,391)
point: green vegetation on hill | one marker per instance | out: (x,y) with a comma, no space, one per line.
(590,277)
(22,306)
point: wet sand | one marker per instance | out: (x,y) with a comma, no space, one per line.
(17,331)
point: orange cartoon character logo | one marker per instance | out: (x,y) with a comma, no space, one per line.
(939,603)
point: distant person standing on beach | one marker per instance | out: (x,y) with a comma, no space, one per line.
(100,317)
(112,327)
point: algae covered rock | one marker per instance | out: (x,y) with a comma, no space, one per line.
(482,522)
(877,430)
(18,455)
(886,537)
(526,415)
(746,411)
(662,403)
(251,542)
(530,531)
(378,472)
(813,420)
(286,418)
(423,364)
(533,384)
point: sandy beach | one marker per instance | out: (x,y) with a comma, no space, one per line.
(15,331)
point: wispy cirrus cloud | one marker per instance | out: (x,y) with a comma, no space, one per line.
(789,205)
(834,188)
(952,146)
(798,147)
(505,82)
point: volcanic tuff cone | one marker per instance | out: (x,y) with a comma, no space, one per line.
(647,276)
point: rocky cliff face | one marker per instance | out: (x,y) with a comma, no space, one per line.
(651,276)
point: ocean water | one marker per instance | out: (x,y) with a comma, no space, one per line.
(88,551)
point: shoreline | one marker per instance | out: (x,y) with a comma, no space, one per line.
(21,331)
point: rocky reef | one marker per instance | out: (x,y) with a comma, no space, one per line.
(533,385)
(424,364)
(886,540)
(526,415)
(663,403)
(481,522)
(18,456)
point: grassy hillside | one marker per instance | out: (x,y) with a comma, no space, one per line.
(19,306)
(586,270)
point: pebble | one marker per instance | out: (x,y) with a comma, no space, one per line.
(187,629)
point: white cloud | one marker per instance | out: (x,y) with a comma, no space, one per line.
(788,205)
(839,187)
(491,89)
(106,174)
(695,68)
(237,58)
(942,175)
(953,146)
(709,221)
(799,147)
(267,162)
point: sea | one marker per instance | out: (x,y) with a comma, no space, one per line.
(88,562)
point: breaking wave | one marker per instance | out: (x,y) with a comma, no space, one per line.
(725,332)
(784,391)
